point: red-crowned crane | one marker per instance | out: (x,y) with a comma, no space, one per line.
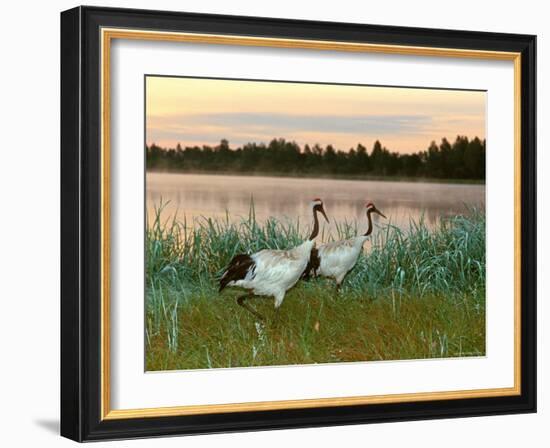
(337,258)
(271,273)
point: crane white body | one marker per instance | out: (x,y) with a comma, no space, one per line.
(339,257)
(274,272)
(336,259)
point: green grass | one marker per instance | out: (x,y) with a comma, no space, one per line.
(414,294)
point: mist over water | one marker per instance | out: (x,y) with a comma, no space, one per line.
(196,195)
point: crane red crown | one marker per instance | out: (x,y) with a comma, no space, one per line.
(369,204)
(317,199)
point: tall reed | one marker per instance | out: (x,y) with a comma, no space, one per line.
(448,258)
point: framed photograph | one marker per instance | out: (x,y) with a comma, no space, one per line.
(274,223)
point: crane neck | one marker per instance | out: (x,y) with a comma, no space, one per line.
(369,229)
(315,230)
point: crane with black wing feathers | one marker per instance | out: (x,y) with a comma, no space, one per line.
(271,273)
(337,258)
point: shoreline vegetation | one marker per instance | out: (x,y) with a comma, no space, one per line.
(462,161)
(413,294)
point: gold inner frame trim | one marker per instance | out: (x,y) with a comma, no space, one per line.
(107,35)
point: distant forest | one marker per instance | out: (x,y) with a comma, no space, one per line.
(463,159)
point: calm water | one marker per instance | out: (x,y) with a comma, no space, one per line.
(195,195)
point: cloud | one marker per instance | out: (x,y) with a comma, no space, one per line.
(280,124)
(399,132)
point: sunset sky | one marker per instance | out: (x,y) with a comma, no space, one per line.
(193,111)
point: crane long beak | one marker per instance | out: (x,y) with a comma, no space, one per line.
(380,213)
(324,214)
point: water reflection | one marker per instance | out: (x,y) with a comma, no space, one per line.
(193,195)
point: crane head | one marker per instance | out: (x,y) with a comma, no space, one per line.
(372,209)
(318,206)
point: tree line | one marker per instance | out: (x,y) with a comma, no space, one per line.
(462,159)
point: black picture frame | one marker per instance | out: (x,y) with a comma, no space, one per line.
(81,224)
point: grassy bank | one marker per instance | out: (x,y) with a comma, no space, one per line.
(414,294)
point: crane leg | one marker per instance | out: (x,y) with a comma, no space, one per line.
(242,302)
(339,282)
(277,317)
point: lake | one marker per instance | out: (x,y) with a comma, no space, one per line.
(196,195)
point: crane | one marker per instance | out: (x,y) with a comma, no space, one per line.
(337,258)
(270,273)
